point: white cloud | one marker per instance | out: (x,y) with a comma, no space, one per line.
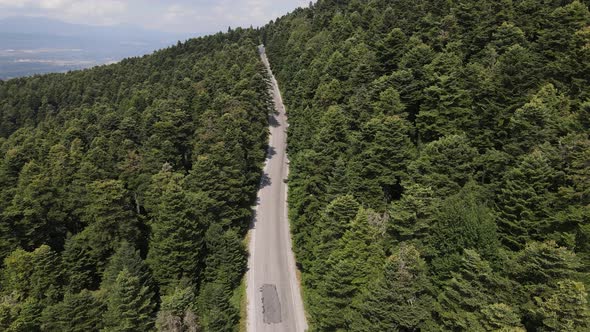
(80,11)
(171,15)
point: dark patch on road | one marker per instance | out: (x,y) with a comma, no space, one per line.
(265,180)
(272,120)
(271,306)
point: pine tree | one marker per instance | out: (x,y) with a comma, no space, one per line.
(177,311)
(389,103)
(332,138)
(541,264)
(543,119)
(445,165)
(33,213)
(459,305)
(76,313)
(391,49)
(216,312)
(338,184)
(501,317)
(400,299)
(412,216)
(35,275)
(446,108)
(330,228)
(524,200)
(126,257)
(81,262)
(227,258)
(355,260)
(507,35)
(564,308)
(129,305)
(385,154)
(463,222)
(176,244)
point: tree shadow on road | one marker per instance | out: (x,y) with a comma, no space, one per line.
(265,181)
(272,120)
(270,152)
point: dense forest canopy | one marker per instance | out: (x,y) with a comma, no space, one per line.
(440,162)
(440,173)
(125,190)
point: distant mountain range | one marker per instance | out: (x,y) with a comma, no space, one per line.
(36,45)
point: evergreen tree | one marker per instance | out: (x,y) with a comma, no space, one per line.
(501,317)
(126,257)
(384,157)
(355,260)
(176,245)
(76,313)
(400,299)
(412,216)
(463,222)
(564,308)
(524,200)
(216,312)
(129,305)
(445,165)
(460,304)
(541,264)
(35,275)
(446,109)
(226,260)
(330,228)
(33,213)
(543,119)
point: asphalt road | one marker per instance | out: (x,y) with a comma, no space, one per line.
(274,295)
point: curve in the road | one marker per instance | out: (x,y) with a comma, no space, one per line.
(274,295)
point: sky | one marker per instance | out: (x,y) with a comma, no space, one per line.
(185,16)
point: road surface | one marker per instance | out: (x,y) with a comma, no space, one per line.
(274,296)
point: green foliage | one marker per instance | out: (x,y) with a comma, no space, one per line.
(445,165)
(177,311)
(124,168)
(418,130)
(349,268)
(129,305)
(524,200)
(216,312)
(382,161)
(463,222)
(227,258)
(460,304)
(413,214)
(176,244)
(541,264)
(126,257)
(400,299)
(464,125)
(35,275)
(501,317)
(564,308)
(76,313)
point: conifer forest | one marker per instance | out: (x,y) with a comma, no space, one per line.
(439,174)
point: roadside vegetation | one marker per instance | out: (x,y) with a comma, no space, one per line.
(125,190)
(439,162)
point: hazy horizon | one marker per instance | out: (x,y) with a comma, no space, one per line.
(31,46)
(44,36)
(177,16)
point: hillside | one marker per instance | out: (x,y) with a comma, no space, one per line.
(439,173)
(439,162)
(125,190)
